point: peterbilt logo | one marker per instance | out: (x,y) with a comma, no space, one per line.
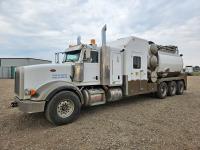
(53,70)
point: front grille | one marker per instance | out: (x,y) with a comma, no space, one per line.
(17,79)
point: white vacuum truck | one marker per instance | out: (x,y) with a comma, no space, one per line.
(90,75)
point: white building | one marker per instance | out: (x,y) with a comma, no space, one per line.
(8,65)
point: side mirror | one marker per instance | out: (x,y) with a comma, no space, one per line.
(181,55)
(86,55)
(57,58)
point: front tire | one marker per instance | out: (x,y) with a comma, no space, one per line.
(162,90)
(63,108)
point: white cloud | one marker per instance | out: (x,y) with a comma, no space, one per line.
(37,28)
(186,36)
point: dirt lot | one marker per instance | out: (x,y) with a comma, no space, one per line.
(140,122)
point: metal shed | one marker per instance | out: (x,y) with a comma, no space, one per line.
(8,65)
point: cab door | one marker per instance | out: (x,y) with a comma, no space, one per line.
(92,69)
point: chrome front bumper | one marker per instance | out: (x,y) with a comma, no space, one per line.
(29,106)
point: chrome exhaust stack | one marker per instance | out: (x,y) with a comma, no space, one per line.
(79,40)
(103,35)
(105,59)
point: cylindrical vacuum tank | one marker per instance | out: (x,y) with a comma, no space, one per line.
(169,64)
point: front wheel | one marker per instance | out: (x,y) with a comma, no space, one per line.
(63,108)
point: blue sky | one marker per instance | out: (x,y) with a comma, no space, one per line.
(39,28)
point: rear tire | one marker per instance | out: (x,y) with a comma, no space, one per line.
(172,88)
(63,108)
(180,87)
(162,90)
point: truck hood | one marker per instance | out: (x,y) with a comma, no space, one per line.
(37,75)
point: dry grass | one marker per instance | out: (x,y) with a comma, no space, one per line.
(196,73)
(140,122)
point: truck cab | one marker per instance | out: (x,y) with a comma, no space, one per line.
(81,53)
(86,65)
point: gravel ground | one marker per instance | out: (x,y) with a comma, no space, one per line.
(140,122)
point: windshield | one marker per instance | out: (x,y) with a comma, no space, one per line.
(72,56)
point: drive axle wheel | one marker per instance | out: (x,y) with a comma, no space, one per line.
(162,90)
(63,108)
(180,87)
(172,88)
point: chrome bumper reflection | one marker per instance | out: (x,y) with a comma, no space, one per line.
(29,106)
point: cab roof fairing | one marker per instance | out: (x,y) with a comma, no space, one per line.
(122,43)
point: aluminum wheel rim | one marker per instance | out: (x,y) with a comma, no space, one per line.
(65,108)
